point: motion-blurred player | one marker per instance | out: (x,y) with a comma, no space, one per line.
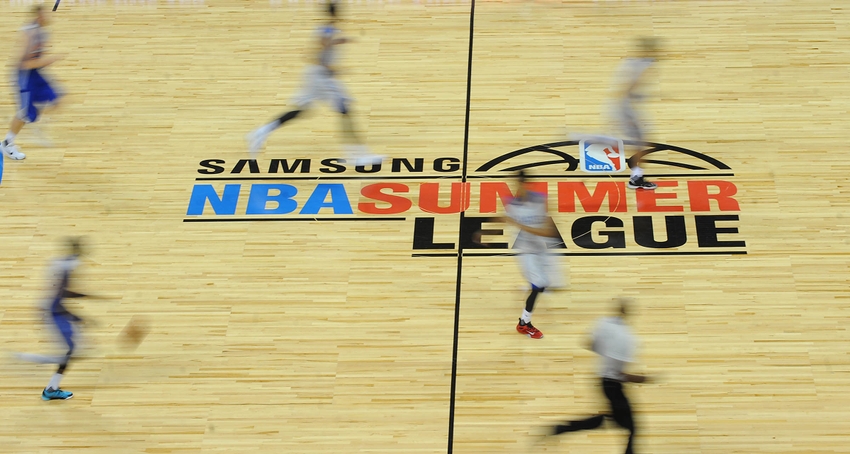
(320,84)
(528,210)
(629,78)
(61,318)
(35,91)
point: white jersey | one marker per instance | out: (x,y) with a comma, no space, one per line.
(530,211)
(616,345)
(327,54)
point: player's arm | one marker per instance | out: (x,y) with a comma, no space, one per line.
(548,231)
(33,63)
(633,378)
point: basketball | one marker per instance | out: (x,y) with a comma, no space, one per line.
(134,333)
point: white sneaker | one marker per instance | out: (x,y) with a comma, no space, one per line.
(361,156)
(255,139)
(10,150)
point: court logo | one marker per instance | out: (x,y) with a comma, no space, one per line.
(601,155)
(694,211)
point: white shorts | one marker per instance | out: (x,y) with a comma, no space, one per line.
(541,269)
(320,85)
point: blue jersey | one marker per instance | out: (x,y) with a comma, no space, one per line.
(62,271)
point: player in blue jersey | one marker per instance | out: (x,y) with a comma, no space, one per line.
(62,319)
(35,90)
(320,84)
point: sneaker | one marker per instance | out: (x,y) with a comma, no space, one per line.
(10,150)
(529,330)
(54,394)
(641,183)
(255,139)
(361,156)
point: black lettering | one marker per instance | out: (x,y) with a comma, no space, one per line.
(417,166)
(276,164)
(645,235)
(372,168)
(452,166)
(471,227)
(211,167)
(583,236)
(332,165)
(252,166)
(707,231)
(423,235)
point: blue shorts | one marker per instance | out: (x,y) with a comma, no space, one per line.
(66,329)
(34,90)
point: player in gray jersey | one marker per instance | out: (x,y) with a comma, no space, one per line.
(629,79)
(320,84)
(528,211)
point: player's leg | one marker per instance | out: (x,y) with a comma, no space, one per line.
(53,391)
(46,100)
(334,92)
(308,94)
(633,128)
(533,268)
(590,423)
(621,410)
(26,112)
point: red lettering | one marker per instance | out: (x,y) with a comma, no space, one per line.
(429,198)
(569,191)
(373,191)
(699,195)
(648,200)
(491,189)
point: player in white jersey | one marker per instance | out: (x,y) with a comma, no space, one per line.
(528,210)
(320,84)
(35,90)
(629,79)
(615,344)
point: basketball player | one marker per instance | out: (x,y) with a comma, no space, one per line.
(62,319)
(615,344)
(320,84)
(529,212)
(35,90)
(630,77)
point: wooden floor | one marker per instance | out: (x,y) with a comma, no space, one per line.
(318,331)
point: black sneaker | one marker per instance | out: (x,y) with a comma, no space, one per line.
(640,183)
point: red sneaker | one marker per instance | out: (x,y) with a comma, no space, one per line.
(529,330)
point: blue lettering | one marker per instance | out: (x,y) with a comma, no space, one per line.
(338,203)
(226,204)
(261,196)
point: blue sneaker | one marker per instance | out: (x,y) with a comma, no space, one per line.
(53,394)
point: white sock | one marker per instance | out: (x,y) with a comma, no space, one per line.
(637,172)
(10,137)
(526,317)
(54,382)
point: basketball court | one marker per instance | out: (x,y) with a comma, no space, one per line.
(301,304)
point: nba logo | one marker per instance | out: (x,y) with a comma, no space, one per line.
(601,155)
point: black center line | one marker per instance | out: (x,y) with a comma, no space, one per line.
(460,235)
